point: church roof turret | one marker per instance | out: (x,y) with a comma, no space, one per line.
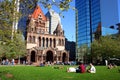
(58,28)
(58,31)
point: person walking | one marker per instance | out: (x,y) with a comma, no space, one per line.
(106,62)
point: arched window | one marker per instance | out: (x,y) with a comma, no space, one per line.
(33,39)
(54,43)
(59,41)
(62,42)
(43,41)
(30,39)
(50,42)
(46,42)
(39,40)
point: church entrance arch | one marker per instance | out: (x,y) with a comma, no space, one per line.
(49,56)
(33,56)
(64,57)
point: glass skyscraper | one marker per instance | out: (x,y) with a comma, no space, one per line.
(88,20)
(91,14)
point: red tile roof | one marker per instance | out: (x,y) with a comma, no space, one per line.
(38,12)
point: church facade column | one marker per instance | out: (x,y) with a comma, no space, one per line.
(41,41)
(52,43)
(48,42)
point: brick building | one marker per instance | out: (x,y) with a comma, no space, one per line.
(42,46)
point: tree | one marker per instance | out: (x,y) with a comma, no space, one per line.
(13,48)
(83,53)
(63,5)
(20,47)
(106,46)
(6,14)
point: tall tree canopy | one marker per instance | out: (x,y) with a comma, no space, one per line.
(11,45)
(63,5)
(106,46)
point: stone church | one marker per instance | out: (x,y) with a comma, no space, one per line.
(42,46)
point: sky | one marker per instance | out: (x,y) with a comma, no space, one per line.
(114,9)
(68,22)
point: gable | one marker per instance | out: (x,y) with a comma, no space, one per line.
(38,12)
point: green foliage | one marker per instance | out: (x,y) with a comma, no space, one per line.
(9,48)
(63,5)
(6,18)
(106,46)
(27,7)
(13,48)
(20,44)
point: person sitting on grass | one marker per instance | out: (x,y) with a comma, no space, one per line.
(110,66)
(92,69)
(79,69)
(42,64)
(114,65)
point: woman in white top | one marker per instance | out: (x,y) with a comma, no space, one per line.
(92,69)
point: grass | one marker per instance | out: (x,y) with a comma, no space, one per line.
(50,73)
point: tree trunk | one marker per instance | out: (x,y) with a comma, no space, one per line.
(19,59)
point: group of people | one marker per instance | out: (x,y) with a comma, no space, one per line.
(7,62)
(110,66)
(82,69)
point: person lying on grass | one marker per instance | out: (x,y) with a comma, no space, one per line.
(80,69)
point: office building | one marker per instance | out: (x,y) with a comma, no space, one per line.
(92,15)
(26,7)
(54,19)
(70,46)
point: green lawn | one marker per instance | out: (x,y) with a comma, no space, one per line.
(49,73)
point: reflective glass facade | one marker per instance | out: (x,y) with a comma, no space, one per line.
(88,20)
(90,14)
(25,11)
